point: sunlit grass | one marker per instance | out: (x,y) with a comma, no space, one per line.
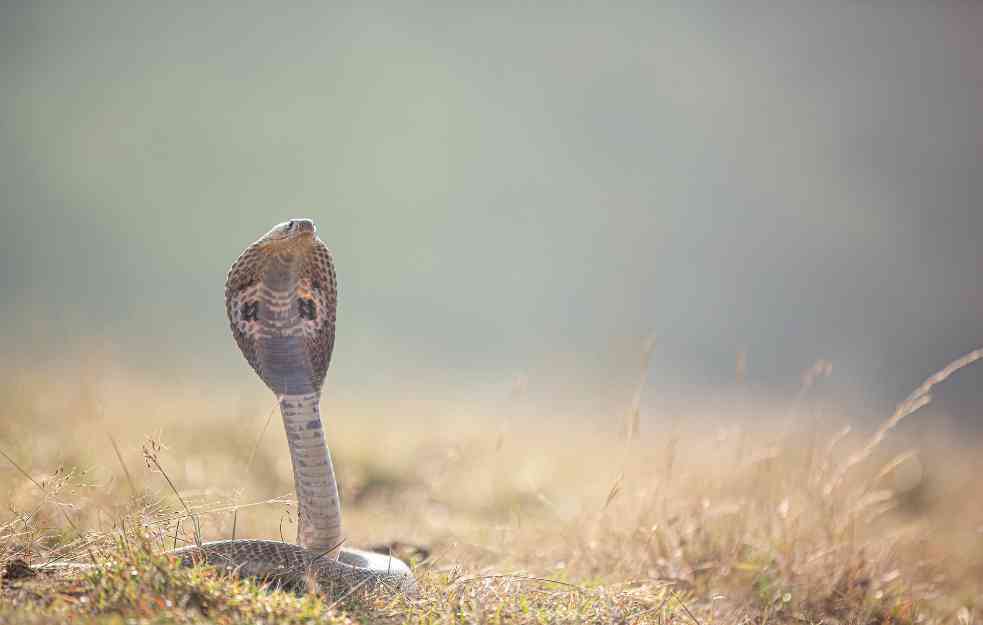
(538,523)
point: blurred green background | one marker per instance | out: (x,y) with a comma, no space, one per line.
(520,190)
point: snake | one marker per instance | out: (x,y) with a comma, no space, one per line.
(281,298)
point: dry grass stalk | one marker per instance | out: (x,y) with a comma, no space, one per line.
(634,425)
(919,398)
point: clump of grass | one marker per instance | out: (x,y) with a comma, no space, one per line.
(135,583)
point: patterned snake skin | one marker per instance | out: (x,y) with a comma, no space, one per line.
(281,296)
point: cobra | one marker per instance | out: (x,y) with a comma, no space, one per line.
(281,299)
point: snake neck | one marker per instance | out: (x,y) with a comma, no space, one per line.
(319,508)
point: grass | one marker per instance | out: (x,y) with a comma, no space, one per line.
(540,523)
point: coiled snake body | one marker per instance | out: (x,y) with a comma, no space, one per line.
(281,296)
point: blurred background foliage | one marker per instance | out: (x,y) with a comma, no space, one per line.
(521,190)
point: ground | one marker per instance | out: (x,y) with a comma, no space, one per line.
(504,521)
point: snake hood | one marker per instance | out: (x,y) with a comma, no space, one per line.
(281,300)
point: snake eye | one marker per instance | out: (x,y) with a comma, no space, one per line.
(290,225)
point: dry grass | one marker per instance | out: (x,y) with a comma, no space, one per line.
(544,523)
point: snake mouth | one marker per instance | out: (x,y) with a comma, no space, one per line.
(290,235)
(298,232)
(301,227)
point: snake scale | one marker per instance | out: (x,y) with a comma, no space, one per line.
(281,298)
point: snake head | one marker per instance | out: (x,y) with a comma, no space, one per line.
(288,235)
